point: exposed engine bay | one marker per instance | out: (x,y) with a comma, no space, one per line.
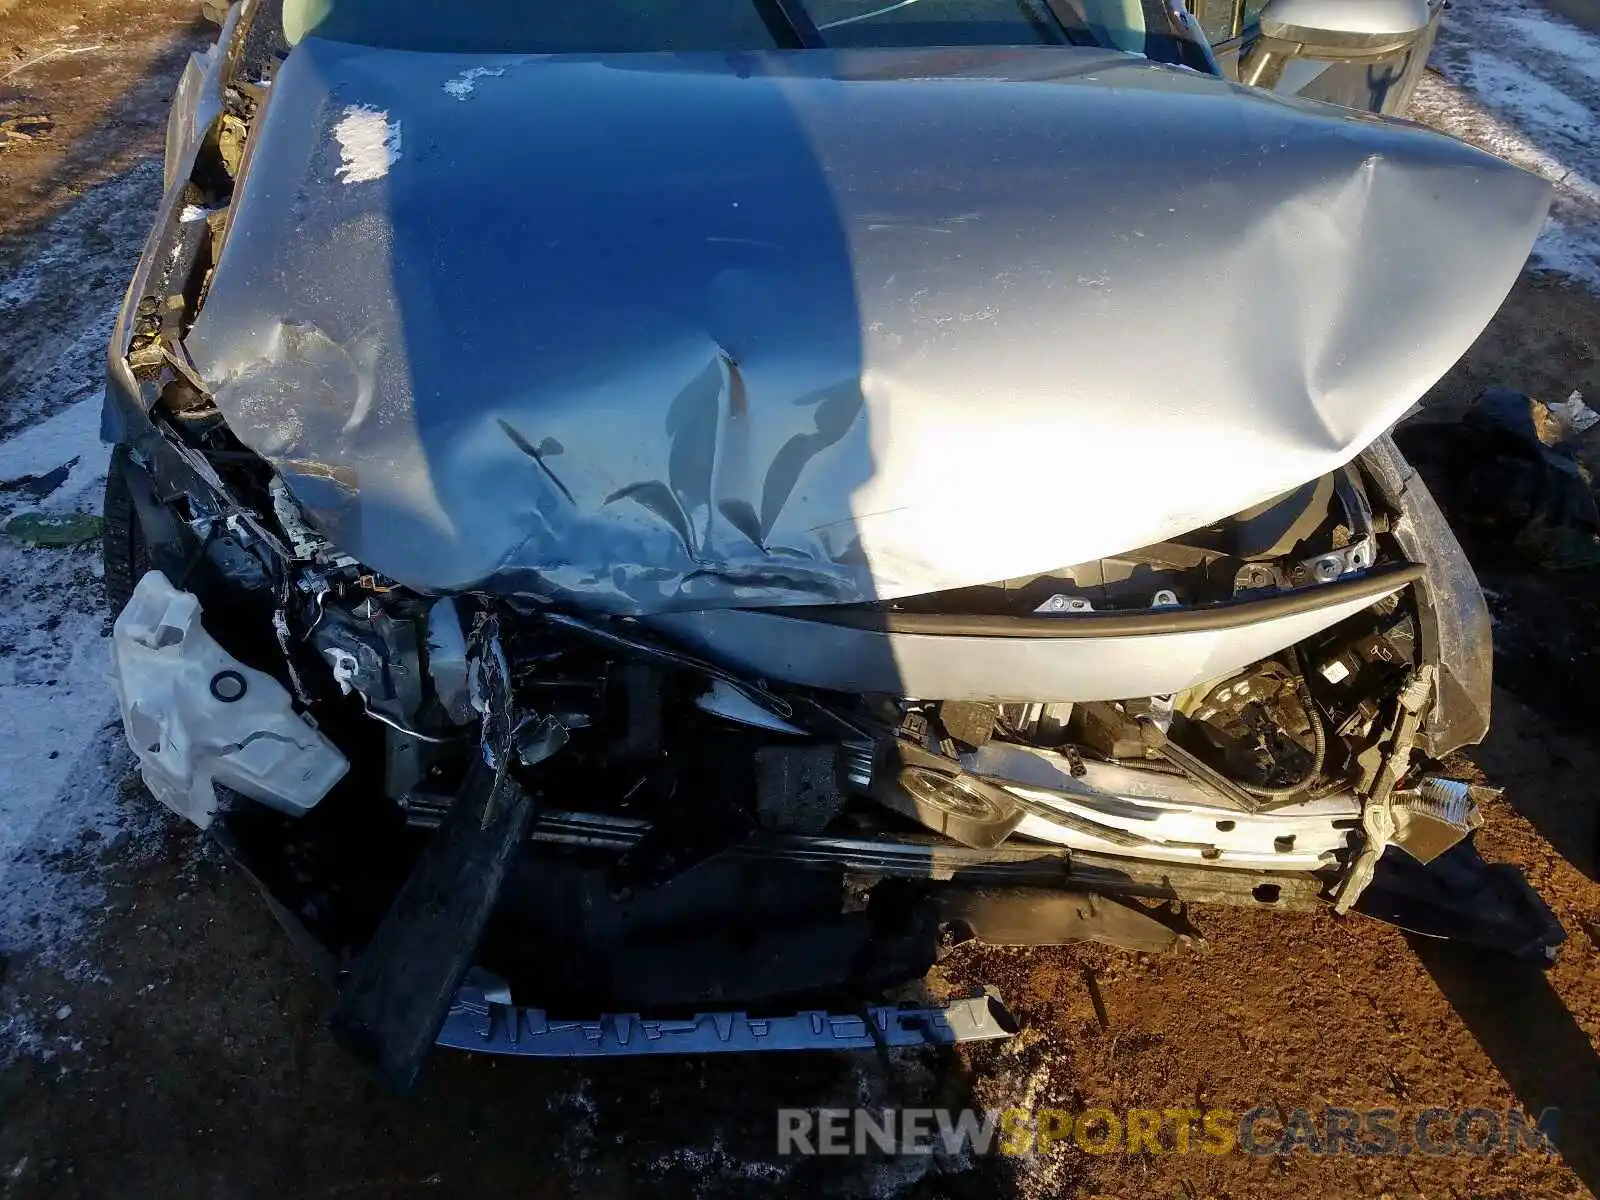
(1270,733)
(767,787)
(638,764)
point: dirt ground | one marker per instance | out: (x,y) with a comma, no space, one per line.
(194,1061)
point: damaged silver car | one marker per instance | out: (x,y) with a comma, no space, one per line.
(696,511)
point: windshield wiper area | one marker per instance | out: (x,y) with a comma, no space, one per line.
(791,25)
(867,16)
(1157,36)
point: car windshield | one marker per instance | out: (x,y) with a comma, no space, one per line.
(607,26)
(1112,24)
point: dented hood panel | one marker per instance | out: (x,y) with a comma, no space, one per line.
(672,332)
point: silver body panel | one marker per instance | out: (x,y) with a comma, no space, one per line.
(823,327)
(941,667)
(1372,18)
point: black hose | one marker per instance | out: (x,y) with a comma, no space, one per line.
(1319,737)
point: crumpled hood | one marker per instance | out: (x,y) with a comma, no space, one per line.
(656,332)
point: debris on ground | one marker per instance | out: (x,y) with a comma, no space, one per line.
(24,128)
(1511,479)
(37,487)
(1573,416)
(55,530)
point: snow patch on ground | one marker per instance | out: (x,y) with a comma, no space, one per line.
(62,757)
(53,694)
(699,1163)
(1538,104)
(69,439)
(54,883)
(1525,85)
(59,293)
(1578,47)
(1568,251)
(1456,112)
(53,891)
(369,143)
(69,806)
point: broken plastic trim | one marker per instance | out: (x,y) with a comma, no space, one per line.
(487,1026)
(1455,627)
(1231,614)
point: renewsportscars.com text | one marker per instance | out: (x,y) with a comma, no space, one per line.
(1265,1131)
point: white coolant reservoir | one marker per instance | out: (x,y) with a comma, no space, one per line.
(196,716)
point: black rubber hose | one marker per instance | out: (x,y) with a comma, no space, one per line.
(1319,737)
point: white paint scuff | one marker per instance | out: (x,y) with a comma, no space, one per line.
(462,85)
(369,143)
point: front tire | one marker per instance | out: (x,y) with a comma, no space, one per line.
(125,552)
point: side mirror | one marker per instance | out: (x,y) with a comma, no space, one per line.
(1344,28)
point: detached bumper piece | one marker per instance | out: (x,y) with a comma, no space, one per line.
(1460,898)
(400,989)
(485,1025)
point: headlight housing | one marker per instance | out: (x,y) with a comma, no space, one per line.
(1454,619)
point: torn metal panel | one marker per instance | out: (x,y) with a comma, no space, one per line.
(197,102)
(664,332)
